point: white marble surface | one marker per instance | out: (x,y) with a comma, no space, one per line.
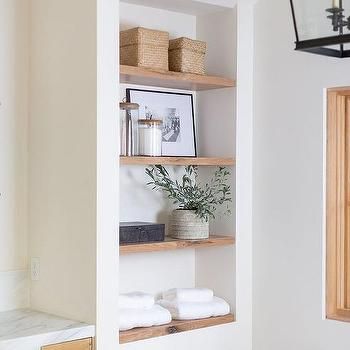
(30,330)
(14,290)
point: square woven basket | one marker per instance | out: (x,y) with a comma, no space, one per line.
(187,55)
(144,47)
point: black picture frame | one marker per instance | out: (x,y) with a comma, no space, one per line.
(167,144)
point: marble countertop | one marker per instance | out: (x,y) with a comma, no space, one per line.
(30,330)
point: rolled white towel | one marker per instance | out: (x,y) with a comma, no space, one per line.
(189,295)
(136,300)
(194,310)
(134,318)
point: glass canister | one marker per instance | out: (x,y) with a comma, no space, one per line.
(150,137)
(129,115)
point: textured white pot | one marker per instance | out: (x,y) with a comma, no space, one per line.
(185,224)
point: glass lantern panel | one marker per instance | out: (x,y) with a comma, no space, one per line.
(311,18)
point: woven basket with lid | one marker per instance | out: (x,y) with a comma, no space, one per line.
(187,55)
(144,47)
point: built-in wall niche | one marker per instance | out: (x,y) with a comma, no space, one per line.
(184,264)
(58,112)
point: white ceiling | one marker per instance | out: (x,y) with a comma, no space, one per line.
(192,7)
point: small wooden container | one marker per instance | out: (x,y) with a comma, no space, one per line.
(187,55)
(142,47)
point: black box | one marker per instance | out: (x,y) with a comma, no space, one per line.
(141,232)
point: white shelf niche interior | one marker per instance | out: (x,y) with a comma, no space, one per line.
(213,268)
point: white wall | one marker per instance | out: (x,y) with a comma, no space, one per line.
(288,167)
(216,120)
(13,153)
(107,175)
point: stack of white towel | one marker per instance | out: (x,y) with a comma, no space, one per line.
(139,310)
(193,303)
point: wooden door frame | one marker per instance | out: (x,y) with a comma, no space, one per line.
(338,205)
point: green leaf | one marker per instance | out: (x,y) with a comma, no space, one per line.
(190,193)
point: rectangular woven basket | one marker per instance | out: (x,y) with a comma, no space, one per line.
(144,47)
(187,55)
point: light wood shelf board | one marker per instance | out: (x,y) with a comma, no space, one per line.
(172,328)
(173,244)
(203,161)
(81,344)
(173,80)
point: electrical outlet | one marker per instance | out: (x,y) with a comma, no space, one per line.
(35,269)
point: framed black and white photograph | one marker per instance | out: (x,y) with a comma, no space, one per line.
(177,113)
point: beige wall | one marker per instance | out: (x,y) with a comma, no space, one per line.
(13,134)
(288,185)
(62,145)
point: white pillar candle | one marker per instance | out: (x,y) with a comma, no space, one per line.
(336,3)
(150,141)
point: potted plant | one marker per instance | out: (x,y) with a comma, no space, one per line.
(197,203)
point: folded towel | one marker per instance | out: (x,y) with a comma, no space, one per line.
(136,300)
(189,295)
(194,311)
(133,318)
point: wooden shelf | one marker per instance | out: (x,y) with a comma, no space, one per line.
(172,328)
(174,80)
(203,161)
(173,244)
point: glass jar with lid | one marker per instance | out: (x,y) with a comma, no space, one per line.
(150,137)
(129,115)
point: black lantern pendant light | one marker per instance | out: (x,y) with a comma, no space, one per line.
(322,26)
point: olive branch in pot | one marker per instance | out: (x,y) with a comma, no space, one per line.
(190,194)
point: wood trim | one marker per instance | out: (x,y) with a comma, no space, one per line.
(81,344)
(346,262)
(343,91)
(174,80)
(172,328)
(173,244)
(338,317)
(338,205)
(202,161)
